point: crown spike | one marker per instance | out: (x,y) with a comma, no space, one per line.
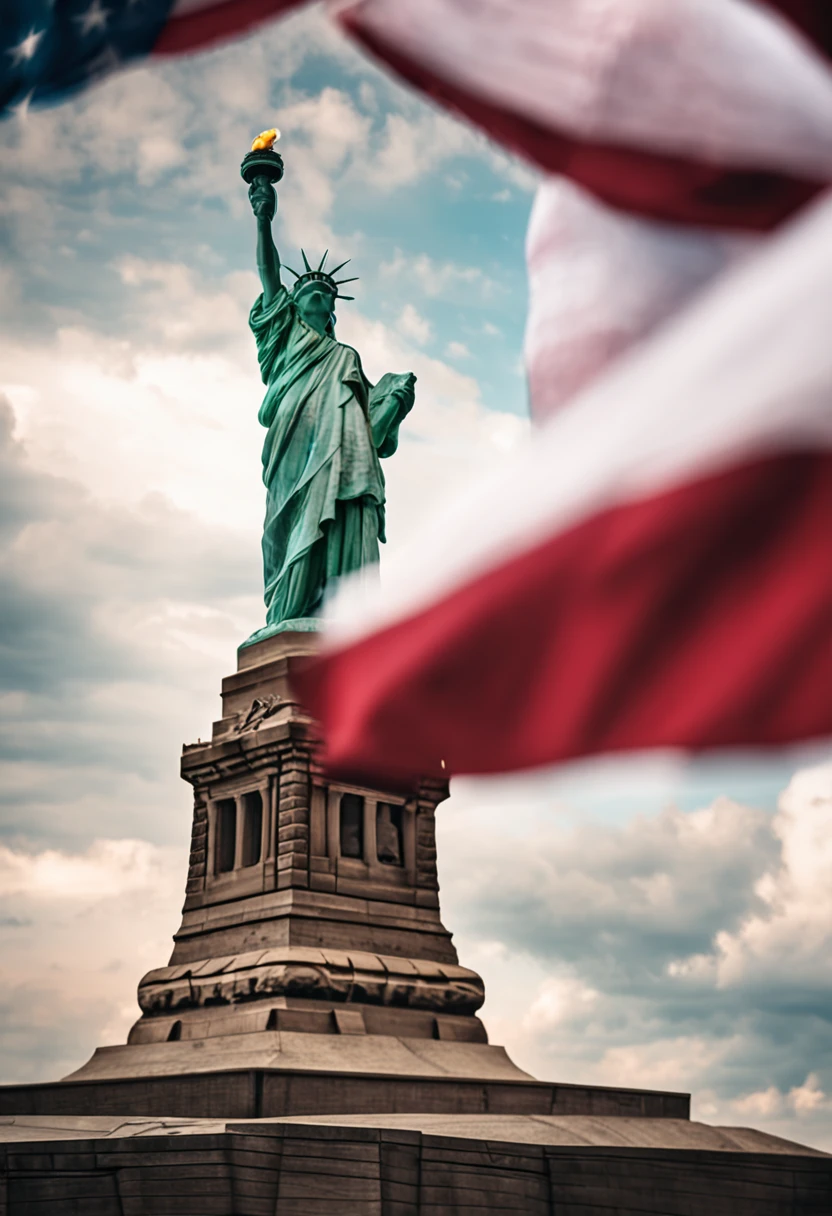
(289,268)
(320,275)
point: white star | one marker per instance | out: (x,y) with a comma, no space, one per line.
(25,50)
(95,18)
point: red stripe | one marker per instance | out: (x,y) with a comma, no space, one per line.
(701,617)
(651,184)
(206,25)
(812,17)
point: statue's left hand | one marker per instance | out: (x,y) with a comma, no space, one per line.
(404,387)
(391,400)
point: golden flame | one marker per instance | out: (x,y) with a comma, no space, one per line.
(265,139)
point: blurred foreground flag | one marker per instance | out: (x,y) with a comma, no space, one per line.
(706,111)
(680,131)
(656,568)
(653,569)
(52,48)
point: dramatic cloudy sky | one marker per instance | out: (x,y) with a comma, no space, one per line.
(647,922)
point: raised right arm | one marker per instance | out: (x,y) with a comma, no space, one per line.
(263,203)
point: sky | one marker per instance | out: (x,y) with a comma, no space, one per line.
(651,921)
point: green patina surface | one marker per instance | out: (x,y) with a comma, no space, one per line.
(326,428)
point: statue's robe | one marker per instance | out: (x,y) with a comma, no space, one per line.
(326,428)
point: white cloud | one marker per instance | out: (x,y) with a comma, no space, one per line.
(323,136)
(787,935)
(107,868)
(560,999)
(674,1063)
(808,1097)
(93,408)
(762,1104)
(438,278)
(458,350)
(118,622)
(413,145)
(413,325)
(674,876)
(77,931)
(802,1100)
(187,312)
(686,951)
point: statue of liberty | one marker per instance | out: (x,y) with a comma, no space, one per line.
(326,427)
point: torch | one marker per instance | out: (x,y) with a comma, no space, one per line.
(262,161)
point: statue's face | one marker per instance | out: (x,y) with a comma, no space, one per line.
(316,304)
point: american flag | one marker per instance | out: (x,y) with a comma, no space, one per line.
(655,570)
(687,129)
(49,49)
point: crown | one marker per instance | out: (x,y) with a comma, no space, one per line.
(322,276)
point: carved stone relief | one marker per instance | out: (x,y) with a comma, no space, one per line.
(260,709)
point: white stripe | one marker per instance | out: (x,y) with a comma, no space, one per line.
(744,372)
(725,81)
(601,280)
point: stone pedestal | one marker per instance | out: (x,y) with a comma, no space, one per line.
(311,913)
(313,1044)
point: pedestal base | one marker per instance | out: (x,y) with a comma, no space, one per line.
(407,1165)
(275,1075)
(275,1052)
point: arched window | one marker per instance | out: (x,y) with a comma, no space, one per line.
(226,829)
(352,825)
(389,843)
(252,827)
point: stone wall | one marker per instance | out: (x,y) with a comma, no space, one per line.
(323,1170)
